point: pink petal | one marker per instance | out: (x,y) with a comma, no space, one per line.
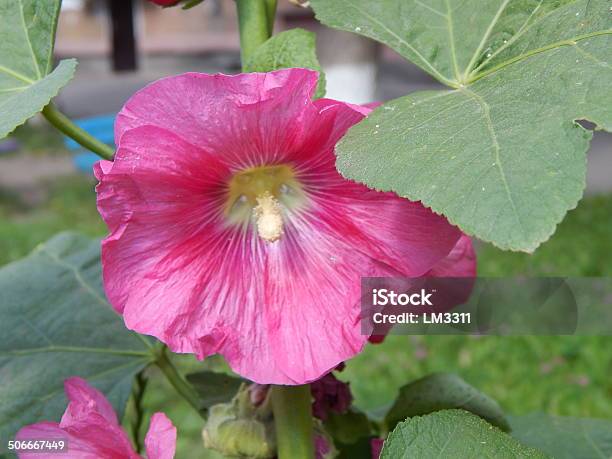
(101,168)
(83,401)
(460,262)
(91,422)
(372,105)
(160,442)
(42,431)
(158,193)
(247,117)
(94,441)
(89,425)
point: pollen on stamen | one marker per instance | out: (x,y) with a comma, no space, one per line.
(268,217)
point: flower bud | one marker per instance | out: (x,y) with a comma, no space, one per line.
(240,428)
(323,442)
(330,395)
(258,393)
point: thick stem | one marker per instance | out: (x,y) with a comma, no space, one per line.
(292,409)
(177,381)
(253,25)
(65,125)
(271,15)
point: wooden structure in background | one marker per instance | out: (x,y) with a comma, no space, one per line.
(123,47)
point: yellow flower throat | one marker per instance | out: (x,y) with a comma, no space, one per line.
(264,194)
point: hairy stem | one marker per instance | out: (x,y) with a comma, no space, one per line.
(292,409)
(66,126)
(177,381)
(253,26)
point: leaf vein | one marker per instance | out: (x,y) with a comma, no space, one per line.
(16,75)
(591,56)
(591,443)
(485,38)
(76,274)
(53,348)
(433,69)
(451,39)
(433,10)
(552,46)
(516,36)
(29,41)
(498,161)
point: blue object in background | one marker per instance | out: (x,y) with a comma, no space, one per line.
(100,127)
(9,145)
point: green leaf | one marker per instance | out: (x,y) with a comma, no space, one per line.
(292,48)
(348,427)
(27,85)
(214,388)
(55,323)
(361,449)
(442,391)
(191,3)
(565,437)
(500,154)
(452,433)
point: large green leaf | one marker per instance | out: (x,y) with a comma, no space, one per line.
(27,84)
(292,48)
(442,391)
(55,323)
(565,437)
(452,433)
(499,154)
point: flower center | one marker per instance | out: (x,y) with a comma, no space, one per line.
(263,195)
(268,218)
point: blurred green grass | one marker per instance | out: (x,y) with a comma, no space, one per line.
(559,375)
(68,203)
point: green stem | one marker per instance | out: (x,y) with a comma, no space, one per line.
(137,420)
(292,407)
(65,125)
(271,15)
(177,381)
(253,26)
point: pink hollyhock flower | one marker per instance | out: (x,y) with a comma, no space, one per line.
(231,231)
(91,429)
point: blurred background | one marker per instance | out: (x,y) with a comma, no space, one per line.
(121,45)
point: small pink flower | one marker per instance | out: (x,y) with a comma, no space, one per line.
(91,429)
(231,231)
